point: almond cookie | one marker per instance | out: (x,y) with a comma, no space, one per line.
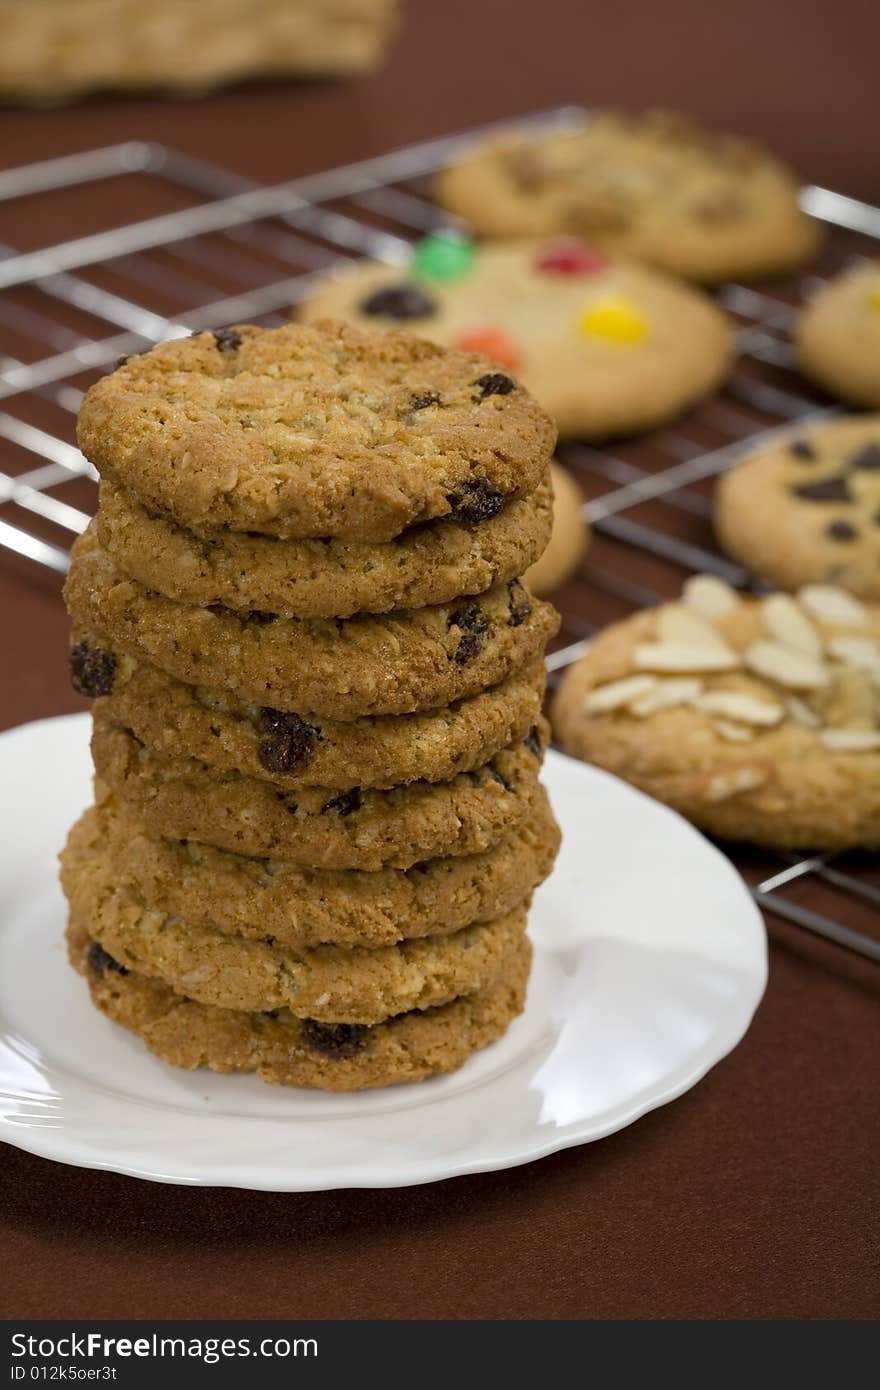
(421,658)
(837,336)
(299,907)
(607,346)
(329,983)
(326,578)
(806,510)
(174,720)
(571,534)
(315,826)
(758,719)
(301,1052)
(707,206)
(313,431)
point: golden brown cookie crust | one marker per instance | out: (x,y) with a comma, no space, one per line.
(311,431)
(569,540)
(809,780)
(837,336)
(282,1050)
(806,510)
(172,719)
(323,578)
(302,907)
(706,206)
(330,983)
(421,658)
(593,385)
(314,826)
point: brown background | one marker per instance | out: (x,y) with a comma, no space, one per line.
(757,1194)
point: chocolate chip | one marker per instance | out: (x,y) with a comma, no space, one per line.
(834,489)
(100,960)
(399,302)
(841,531)
(494,384)
(802,449)
(345,803)
(91,670)
(422,402)
(519,603)
(289,741)
(227,339)
(477,501)
(333,1039)
(532,741)
(474,625)
(501,779)
(867,460)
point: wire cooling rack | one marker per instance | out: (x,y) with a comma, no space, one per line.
(203,247)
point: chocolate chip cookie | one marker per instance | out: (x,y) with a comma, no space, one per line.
(301,1052)
(607,346)
(806,509)
(759,719)
(310,432)
(707,206)
(342,669)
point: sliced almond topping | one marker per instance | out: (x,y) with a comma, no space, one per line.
(683,656)
(734,733)
(733,780)
(787,666)
(666,695)
(801,713)
(677,623)
(618,693)
(747,709)
(709,595)
(830,604)
(850,740)
(788,623)
(860,652)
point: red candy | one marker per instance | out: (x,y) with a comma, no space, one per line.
(567,256)
(492,342)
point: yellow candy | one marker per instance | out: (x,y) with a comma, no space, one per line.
(874,299)
(616,319)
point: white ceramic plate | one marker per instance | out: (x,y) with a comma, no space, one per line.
(650,961)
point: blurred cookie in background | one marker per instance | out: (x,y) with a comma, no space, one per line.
(607,346)
(757,718)
(56,50)
(806,509)
(707,206)
(837,336)
(568,541)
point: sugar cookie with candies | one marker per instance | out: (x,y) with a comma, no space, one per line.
(757,718)
(607,346)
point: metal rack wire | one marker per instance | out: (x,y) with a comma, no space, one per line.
(215,249)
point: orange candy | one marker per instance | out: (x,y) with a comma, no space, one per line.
(492,342)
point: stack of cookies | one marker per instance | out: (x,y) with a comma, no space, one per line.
(318,682)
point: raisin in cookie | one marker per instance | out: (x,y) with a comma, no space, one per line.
(300,907)
(301,1052)
(172,719)
(312,431)
(329,983)
(758,719)
(609,347)
(707,206)
(490,542)
(806,510)
(314,826)
(837,336)
(420,658)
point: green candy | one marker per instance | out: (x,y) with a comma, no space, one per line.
(445,255)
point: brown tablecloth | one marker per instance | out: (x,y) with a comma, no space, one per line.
(757,1194)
